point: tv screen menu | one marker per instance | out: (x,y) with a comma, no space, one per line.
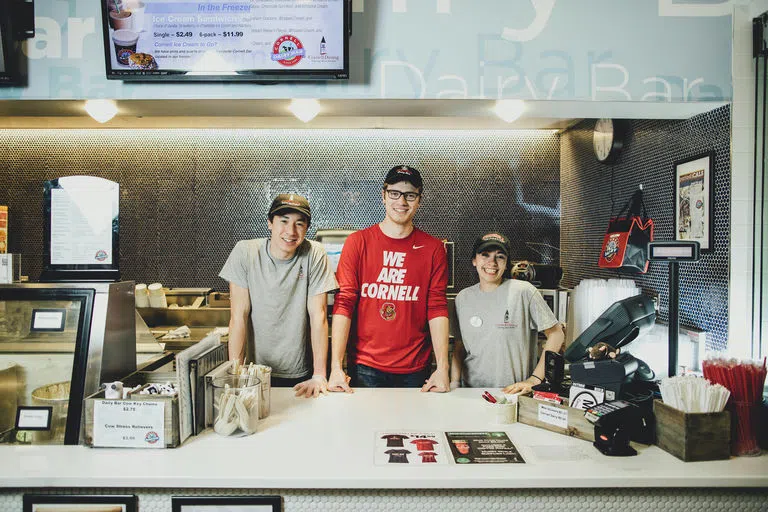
(276,37)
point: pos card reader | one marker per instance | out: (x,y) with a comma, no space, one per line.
(616,423)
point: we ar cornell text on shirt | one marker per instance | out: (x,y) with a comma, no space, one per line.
(388,274)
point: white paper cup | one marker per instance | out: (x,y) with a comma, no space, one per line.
(142,296)
(137,13)
(157,296)
(125,44)
(503,414)
(121,20)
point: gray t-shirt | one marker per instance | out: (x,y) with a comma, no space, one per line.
(279,290)
(499,331)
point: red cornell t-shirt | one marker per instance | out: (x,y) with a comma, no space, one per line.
(424,444)
(428,457)
(391,288)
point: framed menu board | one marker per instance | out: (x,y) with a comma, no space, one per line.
(226,40)
(82,227)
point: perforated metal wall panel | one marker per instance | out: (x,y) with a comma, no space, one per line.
(648,158)
(525,500)
(187,196)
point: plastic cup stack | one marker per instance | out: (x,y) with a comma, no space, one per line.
(142,296)
(157,296)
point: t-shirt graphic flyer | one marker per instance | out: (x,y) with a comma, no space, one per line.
(397,447)
(413,448)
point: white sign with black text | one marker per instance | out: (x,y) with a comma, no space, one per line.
(128,424)
(553,416)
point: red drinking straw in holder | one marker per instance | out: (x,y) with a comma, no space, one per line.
(745,381)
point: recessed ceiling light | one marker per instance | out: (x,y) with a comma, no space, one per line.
(304,109)
(509,110)
(101,110)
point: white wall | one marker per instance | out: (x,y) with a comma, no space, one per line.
(757,7)
(742,179)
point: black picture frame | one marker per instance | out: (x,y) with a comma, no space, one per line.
(57,271)
(228,503)
(693,216)
(58,328)
(20,410)
(41,502)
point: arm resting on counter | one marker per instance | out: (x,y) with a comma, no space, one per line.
(318,324)
(555,339)
(240,300)
(457,361)
(339,381)
(439,381)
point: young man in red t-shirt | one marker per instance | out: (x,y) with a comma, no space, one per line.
(391,300)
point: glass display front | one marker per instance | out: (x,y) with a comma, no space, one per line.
(39,326)
(43,333)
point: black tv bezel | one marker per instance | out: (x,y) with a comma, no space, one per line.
(254,76)
(15,73)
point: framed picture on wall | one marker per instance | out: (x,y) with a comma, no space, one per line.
(79,503)
(226,504)
(694,211)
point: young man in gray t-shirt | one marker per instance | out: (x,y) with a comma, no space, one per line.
(498,324)
(278,288)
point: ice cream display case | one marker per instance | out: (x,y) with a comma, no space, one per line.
(58,343)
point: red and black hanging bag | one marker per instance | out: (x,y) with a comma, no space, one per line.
(625,245)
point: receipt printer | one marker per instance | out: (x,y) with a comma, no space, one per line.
(611,374)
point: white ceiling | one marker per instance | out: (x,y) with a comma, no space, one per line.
(336,113)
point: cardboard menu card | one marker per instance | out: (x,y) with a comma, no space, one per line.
(483,448)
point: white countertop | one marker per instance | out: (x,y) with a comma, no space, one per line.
(328,443)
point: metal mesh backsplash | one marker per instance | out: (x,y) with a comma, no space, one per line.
(187,196)
(648,158)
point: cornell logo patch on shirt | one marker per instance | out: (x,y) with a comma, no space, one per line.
(387,311)
(301,271)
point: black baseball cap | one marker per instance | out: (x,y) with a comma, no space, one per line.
(490,241)
(290,202)
(404,173)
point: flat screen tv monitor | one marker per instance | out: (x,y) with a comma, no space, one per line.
(230,40)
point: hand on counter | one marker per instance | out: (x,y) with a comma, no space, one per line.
(438,382)
(523,387)
(312,388)
(339,381)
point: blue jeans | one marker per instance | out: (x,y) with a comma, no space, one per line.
(367,377)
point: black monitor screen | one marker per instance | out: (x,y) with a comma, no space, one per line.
(12,62)
(252,40)
(2,52)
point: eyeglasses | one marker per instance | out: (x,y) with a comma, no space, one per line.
(396,194)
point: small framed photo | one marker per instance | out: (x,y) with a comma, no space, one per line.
(694,209)
(226,504)
(79,503)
